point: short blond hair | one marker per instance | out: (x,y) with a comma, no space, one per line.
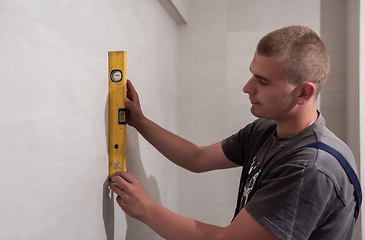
(301,50)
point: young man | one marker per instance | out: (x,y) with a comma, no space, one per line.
(306,196)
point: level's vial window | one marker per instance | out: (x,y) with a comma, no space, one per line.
(116,75)
(121,116)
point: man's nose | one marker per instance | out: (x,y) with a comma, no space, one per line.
(249,88)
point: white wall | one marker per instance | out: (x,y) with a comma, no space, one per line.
(334,94)
(361,24)
(53,96)
(341,98)
(353,91)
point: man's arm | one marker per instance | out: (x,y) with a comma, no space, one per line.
(175,148)
(134,200)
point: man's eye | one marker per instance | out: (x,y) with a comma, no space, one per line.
(262,81)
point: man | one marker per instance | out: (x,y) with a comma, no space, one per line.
(285,192)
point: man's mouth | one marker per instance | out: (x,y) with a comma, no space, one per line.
(253,101)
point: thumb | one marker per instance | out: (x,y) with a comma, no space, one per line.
(127,102)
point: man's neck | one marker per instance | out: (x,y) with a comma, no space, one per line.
(293,125)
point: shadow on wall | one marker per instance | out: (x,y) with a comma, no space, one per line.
(135,230)
(108,210)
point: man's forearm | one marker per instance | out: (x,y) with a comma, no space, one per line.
(175,227)
(136,202)
(175,148)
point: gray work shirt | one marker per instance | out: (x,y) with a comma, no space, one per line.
(308,196)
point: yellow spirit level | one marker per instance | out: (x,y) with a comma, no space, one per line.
(117,141)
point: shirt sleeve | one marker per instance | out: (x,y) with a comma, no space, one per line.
(234,147)
(237,146)
(292,200)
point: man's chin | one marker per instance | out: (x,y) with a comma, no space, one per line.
(256,113)
(260,114)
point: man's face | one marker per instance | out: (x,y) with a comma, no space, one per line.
(271,96)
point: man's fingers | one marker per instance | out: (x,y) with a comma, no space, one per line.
(130,85)
(123,178)
(117,190)
(120,181)
(128,177)
(127,103)
(132,93)
(120,174)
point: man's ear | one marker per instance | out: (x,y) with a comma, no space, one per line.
(307,91)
